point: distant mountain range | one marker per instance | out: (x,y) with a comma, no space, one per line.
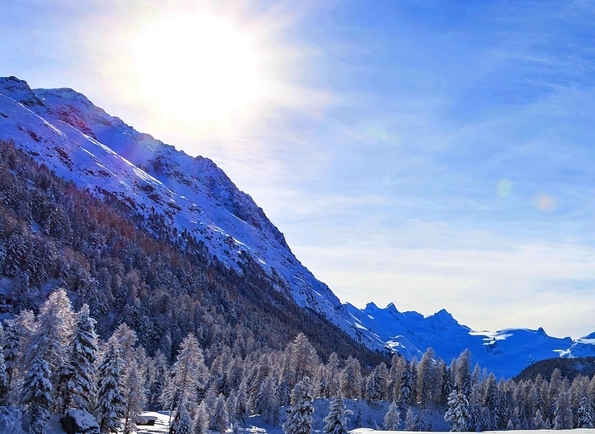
(62,129)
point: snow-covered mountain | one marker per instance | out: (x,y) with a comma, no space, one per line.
(62,129)
(505,352)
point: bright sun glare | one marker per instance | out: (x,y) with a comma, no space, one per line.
(199,66)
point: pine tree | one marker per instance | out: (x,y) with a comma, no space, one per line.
(392,419)
(17,338)
(55,323)
(338,416)
(406,389)
(410,420)
(110,401)
(11,420)
(4,383)
(538,421)
(303,359)
(428,380)
(183,423)
(77,376)
(458,415)
(562,411)
(187,377)
(299,418)
(463,378)
(200,423)
(220,417)
(351,379)
(37,394)
(585,413)
(134,397)
(267,403)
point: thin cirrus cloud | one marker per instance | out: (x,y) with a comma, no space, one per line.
(432,154)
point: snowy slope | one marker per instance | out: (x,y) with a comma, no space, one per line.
(62,129)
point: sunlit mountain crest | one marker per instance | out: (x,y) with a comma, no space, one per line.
(62,129)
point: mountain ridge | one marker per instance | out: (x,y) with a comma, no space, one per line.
(81,142)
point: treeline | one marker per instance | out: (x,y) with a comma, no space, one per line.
(161,283)
(569,368)
(53,361)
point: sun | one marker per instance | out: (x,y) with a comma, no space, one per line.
(199,68)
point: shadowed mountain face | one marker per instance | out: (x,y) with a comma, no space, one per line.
(63,130)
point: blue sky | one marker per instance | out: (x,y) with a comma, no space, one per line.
(435,154)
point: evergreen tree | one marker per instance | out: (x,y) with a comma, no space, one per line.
(538,421)
(188,374)
(110,400)
(458,415)
(410,420)
(392,419)
(338,416)
(584,414)
(351,379)
(463,377)
(4,383)
(134,395)
(55,322)
(406,396)
(11,420)
(37,394)
(562,411)
(220,417)
(267,401)
(17,338)
(299,418)
(77,376)
(183,423)
(428,380)
(377,383)
(200,423)
(303,358)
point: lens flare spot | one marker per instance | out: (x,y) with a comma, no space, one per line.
(504,188)
(544,202)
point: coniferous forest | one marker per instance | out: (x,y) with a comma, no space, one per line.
(111,314)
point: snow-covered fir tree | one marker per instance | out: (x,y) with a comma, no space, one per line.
(299,417)
(183,423)
(135,397)
(406,389)
(457,414)
(76,388)
(200,424)
(562,411)
(188,376)
(11,420)
(267,403)
(584,414)
(110,400)
(17,337)
(338,417)
(351,379)
(220,416)
(538,421)
(410,420)
(4,383)
(392,419)
(37,393)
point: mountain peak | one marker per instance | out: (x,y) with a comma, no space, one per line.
(20,91)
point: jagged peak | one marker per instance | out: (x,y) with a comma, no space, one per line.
(371,306)
(391,308)
(19,91)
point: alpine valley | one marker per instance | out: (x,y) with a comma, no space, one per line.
(156,186)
